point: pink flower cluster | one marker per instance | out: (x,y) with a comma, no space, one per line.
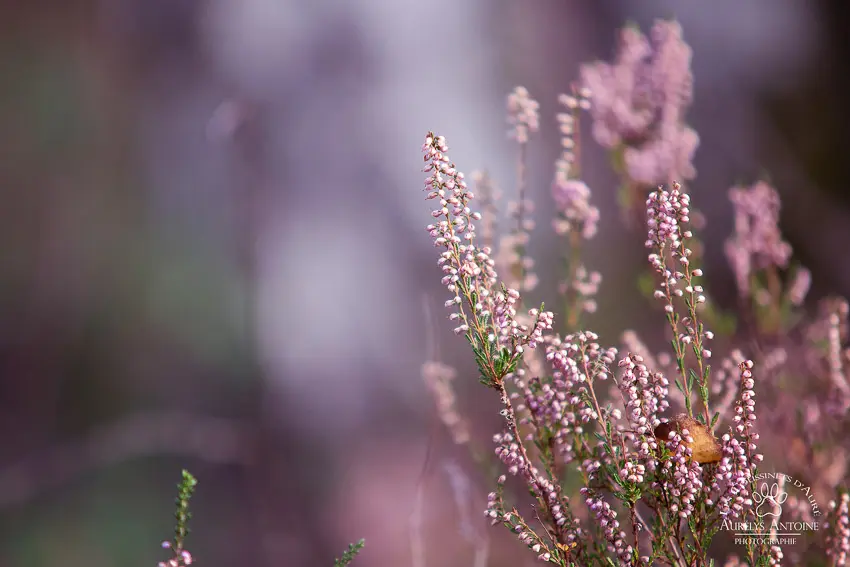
(550,407)
(607,519)
(682,475)
(578,361)
(735,471)
(735,474)
(572,198)
(571,194)
(523,114)
(645,397)
(757,243)
(667,212)
(639,102)
(182,558)
(469,272)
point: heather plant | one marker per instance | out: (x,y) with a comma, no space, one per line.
(180,556)
(665,451)
(350,553)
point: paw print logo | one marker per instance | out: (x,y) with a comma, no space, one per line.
(769,500)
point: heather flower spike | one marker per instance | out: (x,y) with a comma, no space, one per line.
(576,217)
(485,314)
(668,236)
(439,377)
(513,262)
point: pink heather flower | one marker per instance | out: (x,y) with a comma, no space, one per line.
(547,406)
(523,114)
(670,77)
(469,273)
(683,475)
(438,377)
(508,451)
(734,474)
(662,362)
(757,242)
(645,398)
(462,262)
(567,527)
(838,540)
(745,410)
(633,345)
(182,558)
(735,470)
(621,104)
(640,100)
(578,360)
(665,158)
(666,212)
(668,218)
(497,514)
(565,166)
(550,405)
(776,555)
(633,472)
(606,517)
(572,199)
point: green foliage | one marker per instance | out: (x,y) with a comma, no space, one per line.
(350,553)
(182,514)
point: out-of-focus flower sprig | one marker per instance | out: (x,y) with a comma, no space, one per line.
(638,106)
(350,553)
(181,557)
(513,261)
(439,377)
(576,218)
(758,256)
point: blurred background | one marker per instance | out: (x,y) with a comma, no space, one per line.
(213,253)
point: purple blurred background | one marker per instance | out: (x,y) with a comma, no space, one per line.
(213,251)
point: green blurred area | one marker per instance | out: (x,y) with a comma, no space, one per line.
(108,306)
